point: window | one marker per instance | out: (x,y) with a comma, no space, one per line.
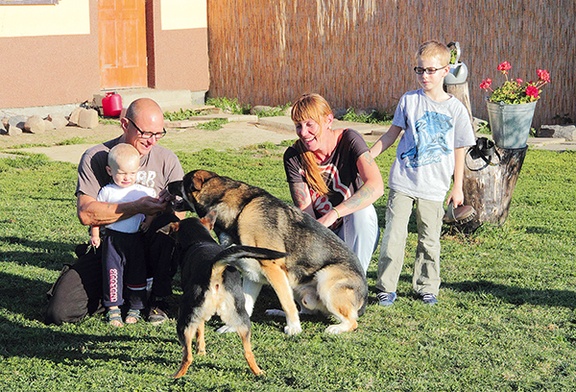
(22,2)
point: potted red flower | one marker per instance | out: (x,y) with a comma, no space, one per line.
(511,106)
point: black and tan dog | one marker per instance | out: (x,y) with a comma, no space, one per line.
(319,270)
(211,285)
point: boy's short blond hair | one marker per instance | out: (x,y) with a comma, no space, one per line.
(122,152)
(431,49)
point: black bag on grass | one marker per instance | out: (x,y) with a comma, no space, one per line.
(78,290)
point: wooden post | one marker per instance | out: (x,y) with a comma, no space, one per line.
(461,92)
(489,188)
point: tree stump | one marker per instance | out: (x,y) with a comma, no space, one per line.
(461,92)
(489,187)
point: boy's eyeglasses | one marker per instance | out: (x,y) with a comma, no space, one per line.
(429,70)
(147,135)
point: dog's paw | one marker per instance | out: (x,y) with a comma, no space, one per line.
(334,329)
(293,329)
(275,313)
(339,328)
(226,329)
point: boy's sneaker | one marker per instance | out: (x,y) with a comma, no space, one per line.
(386,299)
(429,299)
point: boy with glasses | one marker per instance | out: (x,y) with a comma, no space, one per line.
(430,154)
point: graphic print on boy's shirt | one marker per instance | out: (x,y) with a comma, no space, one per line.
(430,140)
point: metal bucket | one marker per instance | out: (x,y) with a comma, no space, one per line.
(510,124)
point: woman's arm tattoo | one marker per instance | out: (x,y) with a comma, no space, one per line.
(299,193)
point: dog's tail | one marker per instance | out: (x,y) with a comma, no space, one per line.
(235,253)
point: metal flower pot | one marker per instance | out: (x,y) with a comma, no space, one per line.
(510,124)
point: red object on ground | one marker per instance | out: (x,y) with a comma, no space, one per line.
(112,104)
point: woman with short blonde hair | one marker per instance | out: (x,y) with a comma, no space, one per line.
(333,177)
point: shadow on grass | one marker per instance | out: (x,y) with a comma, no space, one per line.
(43,254)
(23,296)
(517,295)
(17,340)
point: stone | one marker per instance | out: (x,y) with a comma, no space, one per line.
(568,132)
(545,132)
(256,110)
(75,115)
(49,125)
(16,124)
(35,124)
(88,118)
(14,130)
(59,121)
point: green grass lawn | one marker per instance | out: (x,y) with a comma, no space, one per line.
(506,319)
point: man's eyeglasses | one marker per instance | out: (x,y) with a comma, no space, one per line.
(429,70)
(147,135)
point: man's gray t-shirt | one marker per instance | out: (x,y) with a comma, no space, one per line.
(157,169)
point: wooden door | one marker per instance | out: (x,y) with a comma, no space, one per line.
(122,43)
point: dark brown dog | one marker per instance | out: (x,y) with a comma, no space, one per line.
(211,286)
(319,270)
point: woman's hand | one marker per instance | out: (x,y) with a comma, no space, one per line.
(330,218)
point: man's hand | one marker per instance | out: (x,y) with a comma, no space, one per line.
(165,196)
(150,205)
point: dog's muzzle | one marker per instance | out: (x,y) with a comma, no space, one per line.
(175,188)
(179,203)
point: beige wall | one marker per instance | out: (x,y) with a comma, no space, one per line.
(50,52)
(45,61)
(65,18)
(181,45)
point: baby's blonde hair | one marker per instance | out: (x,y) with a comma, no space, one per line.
(431,49)
(122,153)
(315,107)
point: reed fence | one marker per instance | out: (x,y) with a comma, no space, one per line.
(360,53)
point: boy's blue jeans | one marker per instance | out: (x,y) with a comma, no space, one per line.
(426,277)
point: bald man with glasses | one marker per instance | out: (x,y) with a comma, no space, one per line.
(73,296)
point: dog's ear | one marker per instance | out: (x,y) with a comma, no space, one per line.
(170,228)
(200,177)
(209,219)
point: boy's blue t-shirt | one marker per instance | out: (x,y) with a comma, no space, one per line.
(424,162)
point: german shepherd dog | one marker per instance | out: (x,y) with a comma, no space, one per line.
(211,285)
(319,270)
